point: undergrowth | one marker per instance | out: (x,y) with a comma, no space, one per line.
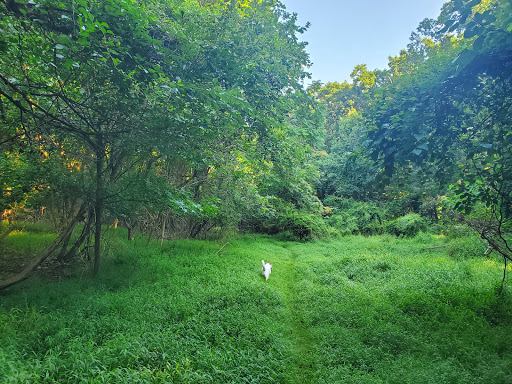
(353,310)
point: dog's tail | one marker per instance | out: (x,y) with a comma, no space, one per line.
(263,262)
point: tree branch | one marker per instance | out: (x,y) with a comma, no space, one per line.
(45,254)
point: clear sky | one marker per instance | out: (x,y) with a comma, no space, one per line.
(345,33)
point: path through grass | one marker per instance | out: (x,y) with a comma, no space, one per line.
(301,340)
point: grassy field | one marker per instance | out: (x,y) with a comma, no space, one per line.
(353,310)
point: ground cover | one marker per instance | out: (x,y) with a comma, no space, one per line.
(352,310)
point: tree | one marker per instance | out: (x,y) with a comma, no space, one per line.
(450,113)
(118,92)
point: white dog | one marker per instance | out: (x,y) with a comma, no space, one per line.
(266,270)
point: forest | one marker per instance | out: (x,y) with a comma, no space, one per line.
(181,119)
(140,137)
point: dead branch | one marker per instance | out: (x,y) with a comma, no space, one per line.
(221,248)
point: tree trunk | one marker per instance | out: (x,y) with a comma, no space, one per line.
(98,208)
(45,254)
(196,229)
(63,250)
(163,230)
(87,227)
(2,110)
(130,232)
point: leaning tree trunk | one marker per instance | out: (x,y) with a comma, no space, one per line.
(162,235)
(85,232)
(64,249)
(46,253)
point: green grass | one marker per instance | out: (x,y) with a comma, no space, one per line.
(354,310)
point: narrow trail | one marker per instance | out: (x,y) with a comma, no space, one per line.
(300,336)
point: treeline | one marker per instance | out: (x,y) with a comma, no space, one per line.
(429,138)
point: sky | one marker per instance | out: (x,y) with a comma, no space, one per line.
(345,33)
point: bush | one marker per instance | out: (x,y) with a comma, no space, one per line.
(302,226)
(467,247)
(457,231)
(398,207)
(291,224)
(409,225)
(352,217)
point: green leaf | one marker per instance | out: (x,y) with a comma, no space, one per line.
(63,39)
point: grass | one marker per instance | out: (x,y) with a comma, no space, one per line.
(353,310)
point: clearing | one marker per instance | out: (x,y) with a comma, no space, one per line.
(353,310)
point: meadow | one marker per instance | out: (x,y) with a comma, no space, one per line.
(352,310)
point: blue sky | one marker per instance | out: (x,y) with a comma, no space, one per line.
(345,33)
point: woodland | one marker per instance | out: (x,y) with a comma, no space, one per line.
(153,152)
(186,119)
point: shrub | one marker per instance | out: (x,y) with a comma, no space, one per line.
(303,226)
(457,231)
(355,217)
(292,224)
(398,207)
(467,247)
(409,225)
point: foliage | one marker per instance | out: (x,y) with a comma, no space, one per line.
(409,225)
(292,224)
(453,95)
(352,217)
(302,226)
(345,168)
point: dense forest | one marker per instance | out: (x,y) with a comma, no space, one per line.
(189,119)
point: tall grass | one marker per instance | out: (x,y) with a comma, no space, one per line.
(177,314)
(354,310)
(383,310)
